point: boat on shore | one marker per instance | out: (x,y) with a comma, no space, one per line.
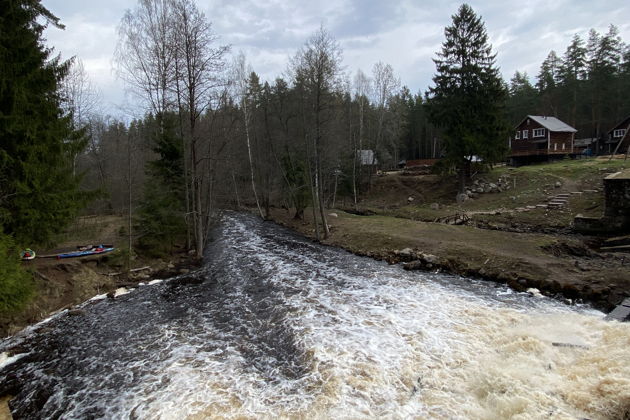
(82,251)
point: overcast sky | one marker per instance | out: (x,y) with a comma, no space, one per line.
(403,33)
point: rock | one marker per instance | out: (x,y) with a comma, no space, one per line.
(405,253)
(557,184)
(409,199)
(493,186)
(413,265)
(534,292)
(435,206)
(333,214)
(76,312)
(461,198)
(428,258)
(170,266)
(184,270)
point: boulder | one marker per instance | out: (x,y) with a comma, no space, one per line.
(429,258)
(405,253)
(435,206)
(461,197)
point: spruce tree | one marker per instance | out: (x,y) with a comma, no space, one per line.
(468,98)
(522,100)
(162,216)
(38,191)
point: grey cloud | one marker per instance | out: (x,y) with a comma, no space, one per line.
(403,33)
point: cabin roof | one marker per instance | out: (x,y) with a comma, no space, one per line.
(622,124)
(551,123)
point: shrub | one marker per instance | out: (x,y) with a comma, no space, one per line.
(16,284)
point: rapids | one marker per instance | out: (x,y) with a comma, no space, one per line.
(276,326)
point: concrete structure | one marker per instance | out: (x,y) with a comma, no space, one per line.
(620,313)
(616,217)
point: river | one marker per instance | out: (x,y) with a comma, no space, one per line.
(276,326)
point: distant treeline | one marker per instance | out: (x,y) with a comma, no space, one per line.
(587,87)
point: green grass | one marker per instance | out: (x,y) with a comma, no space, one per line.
(529,185)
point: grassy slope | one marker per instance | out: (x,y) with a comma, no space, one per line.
(521,259)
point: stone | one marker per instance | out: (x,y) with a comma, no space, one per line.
(333,214)
(435,206)
(184,270)
(557,184)
(461,198)
(76,312)
(534,292)
(405,253)
(409,199)
(429,258)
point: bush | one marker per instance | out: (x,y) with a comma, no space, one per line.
(16,285)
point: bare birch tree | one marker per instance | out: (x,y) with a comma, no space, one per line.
(317,67)
(385,85)
(362,91)
(200,66)
(145,54)
(240,76)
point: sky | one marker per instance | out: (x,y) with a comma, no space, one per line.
(403,33)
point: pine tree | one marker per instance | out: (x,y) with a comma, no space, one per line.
(604,60)
(161,217)
(38,191)
(468,98)
(572,75)
(522,99)
(547,83)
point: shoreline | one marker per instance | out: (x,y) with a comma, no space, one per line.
(63,284)
(602,280)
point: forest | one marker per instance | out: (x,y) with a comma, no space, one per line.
(215,136)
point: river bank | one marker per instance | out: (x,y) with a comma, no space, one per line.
(562,266)
(62,284)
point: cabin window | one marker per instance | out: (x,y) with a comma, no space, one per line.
(525,134)
(518,135)
(555,146)
(539,132)
(619,133)
(562,146)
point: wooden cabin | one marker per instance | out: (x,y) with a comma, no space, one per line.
(540,137)
(618,139)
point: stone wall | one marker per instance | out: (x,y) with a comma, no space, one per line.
(616,217)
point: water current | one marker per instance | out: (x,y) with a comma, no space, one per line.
(276,326)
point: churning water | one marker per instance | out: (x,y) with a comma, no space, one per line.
(275,326)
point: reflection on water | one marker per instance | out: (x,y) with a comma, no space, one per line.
(278,326)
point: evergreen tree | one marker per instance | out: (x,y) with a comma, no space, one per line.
(547,81)
(604,63)
(468,98)
(16,285)
(38,191)
(522,99)
(161,217)
(572,75)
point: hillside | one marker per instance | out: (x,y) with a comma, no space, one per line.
(510,233)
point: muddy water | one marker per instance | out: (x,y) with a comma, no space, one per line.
(275,326)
